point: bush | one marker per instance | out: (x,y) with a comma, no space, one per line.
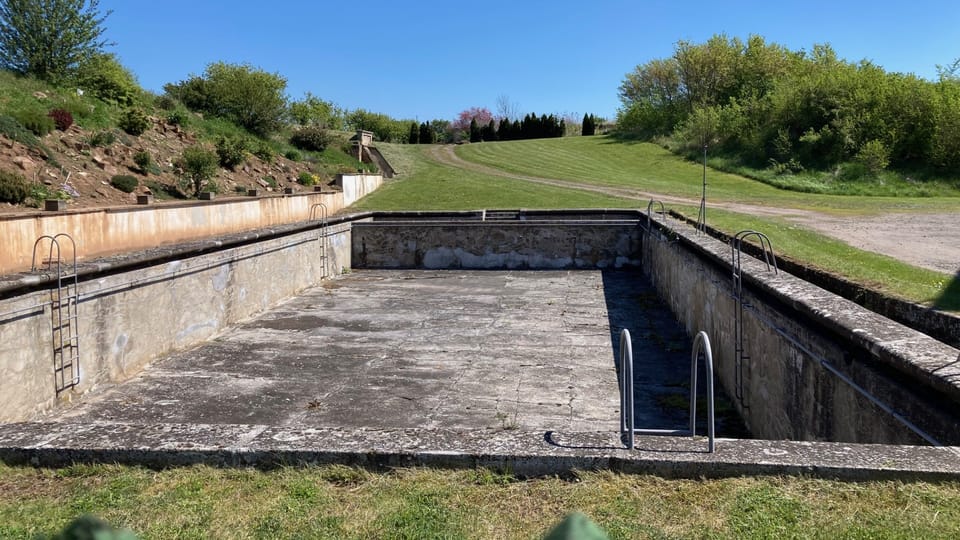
(311,138)
(271,181)
(103,76)
(134,121)
(143,161)
(177,118)
(14,130)
(292,155)
(37,122)
(248,96)
(198,166)
(125,182)
(165,102)
(231,151)
(307,179)
(61,118)
(13,187)
(874,156)
(264,152)
(102,138)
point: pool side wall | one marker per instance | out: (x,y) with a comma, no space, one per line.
(792,332)
(130,317)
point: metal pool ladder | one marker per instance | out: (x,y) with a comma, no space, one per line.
(318,212)
(627,425)
(63,311)
(741,357)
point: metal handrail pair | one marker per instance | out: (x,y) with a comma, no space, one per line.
(627,421)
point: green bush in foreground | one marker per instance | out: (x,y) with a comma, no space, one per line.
(231,151)
(311,138)
(198,167)
(143,160)
(125,183)
(14,188)
(307,179)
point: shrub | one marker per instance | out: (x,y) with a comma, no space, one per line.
(310,138)
(874,156)
(125,182)
(264,152)
(134,121)
(14,130)
(198,166)
(271,181)
(292,155)
(143,161)
(165,102)
(177,118)
(103,76)
(231,151)
(307,179)
(37,122)
(61,118)
(102,138)
(13,187)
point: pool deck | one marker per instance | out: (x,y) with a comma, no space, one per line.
(506,369)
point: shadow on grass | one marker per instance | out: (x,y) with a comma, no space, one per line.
(950,299)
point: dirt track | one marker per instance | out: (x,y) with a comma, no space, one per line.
(926,240)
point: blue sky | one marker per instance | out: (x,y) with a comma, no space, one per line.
(431,59)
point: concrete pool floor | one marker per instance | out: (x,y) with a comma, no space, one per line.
(396,349)
(507,369)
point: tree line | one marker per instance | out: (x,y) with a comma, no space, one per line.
(791,110)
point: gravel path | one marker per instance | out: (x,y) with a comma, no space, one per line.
(927,240)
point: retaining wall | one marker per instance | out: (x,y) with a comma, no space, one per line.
(491,245)
(140,309)
(807,350)
(105,231)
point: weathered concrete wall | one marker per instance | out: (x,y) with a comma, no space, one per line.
(495,245)
(128,318)
(107,231)
(793,332)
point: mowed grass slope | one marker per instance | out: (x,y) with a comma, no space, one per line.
(423,184)
(345,503)
(603,160)
(428,185)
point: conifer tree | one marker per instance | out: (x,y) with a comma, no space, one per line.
(414,137)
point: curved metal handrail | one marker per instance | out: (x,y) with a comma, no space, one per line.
(627,419)
(702,341)
(651,210)
(736,249)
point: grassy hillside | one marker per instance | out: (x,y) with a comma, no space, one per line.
(427,185)
(603,160)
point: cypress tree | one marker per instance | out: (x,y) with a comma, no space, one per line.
(426,134)
(489,132)
(503,130)
(414,137)
(474,131)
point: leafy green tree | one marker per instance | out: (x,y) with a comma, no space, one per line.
(313,111)
(49,38)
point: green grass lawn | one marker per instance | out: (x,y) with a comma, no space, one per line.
(876,271)
(427,185)
(603,160)
(341,502)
